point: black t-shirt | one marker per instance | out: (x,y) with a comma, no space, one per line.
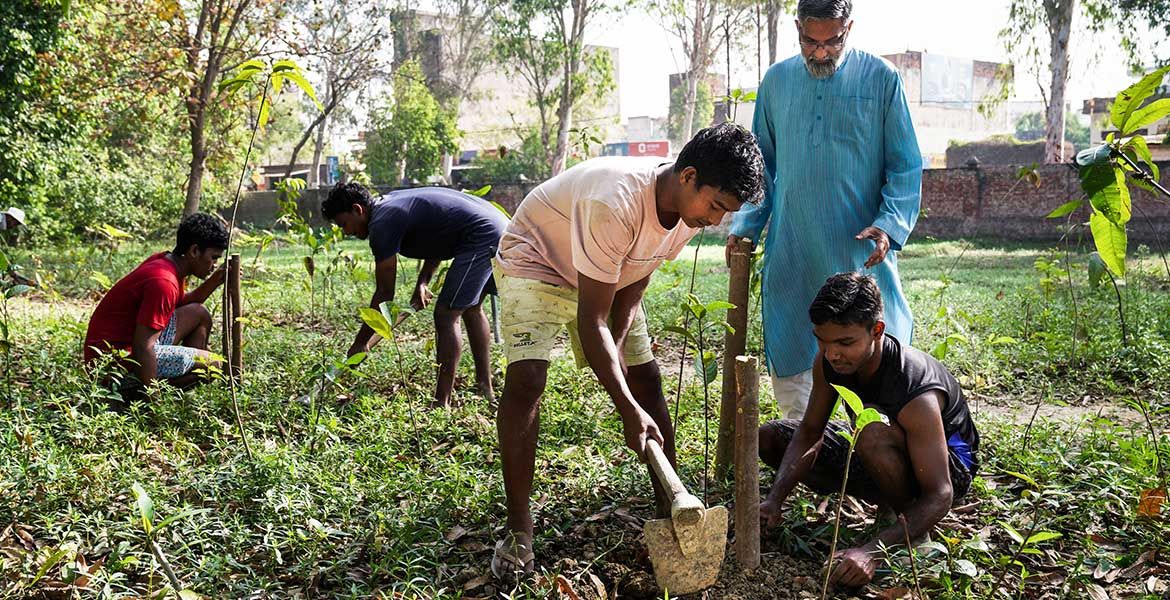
(904,374)
(434,223)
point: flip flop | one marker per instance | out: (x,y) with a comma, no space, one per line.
(511,557)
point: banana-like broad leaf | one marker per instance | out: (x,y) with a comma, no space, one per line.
(1065,209)
(1110,240)
(1147,115)
(377,321)
(1132,97)
(145,506)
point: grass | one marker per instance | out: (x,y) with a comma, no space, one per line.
(339,504)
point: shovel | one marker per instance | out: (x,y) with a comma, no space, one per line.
(687,549)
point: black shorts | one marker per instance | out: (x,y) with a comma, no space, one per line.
(835,451)
(468,279)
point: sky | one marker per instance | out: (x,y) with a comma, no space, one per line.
(959,28)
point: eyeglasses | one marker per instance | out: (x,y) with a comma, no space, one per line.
(831,44)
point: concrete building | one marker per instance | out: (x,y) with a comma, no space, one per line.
(499,107)
(1157,135)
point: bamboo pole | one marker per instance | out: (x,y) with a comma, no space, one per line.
(747,465)
(237,350)
(734,344)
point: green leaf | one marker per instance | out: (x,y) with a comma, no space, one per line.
(848,437)
(1132,97)
(706,367)
(265,107)
(1096,271)
(683,332)
(1003,340)
(481,192)
(1147,115)
(1011,531)
(850,399)
(355,360)
(4,264)
(869,416)
(190,512)
(1022,477)
(966,567)
(310,265)
(16,290)
(1110,239)
(56,557)
(500,208)
(1065,209)
(1043,536)
(377,321)
(306,87)
(1103,185)
(719,305)
(1141,151)
(145,506)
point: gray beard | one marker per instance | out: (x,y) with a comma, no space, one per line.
(822,70)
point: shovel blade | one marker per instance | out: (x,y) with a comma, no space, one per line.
(693,564)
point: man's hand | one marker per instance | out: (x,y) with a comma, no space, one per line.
(422,297)
(639,427)
(881,243)
(218,276)
(855,569)
(732,242)
(770,514)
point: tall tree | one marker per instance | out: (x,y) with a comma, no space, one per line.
(1041,32)
(702,26)
(343,42)
(214,36)
(545,41)
(410,134)
(466,49)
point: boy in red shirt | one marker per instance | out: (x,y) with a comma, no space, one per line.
(149,313)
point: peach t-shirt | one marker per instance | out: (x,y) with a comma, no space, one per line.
(597,218)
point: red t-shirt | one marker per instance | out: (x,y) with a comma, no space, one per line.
(147,295)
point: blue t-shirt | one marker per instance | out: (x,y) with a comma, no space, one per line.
(432,223)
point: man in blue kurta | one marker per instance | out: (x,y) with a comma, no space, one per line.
(843,177)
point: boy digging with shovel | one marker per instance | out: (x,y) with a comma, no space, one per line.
(579,253)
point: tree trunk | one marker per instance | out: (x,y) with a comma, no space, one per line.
(1060,15)
(198,162)
(318,147)
(773,30)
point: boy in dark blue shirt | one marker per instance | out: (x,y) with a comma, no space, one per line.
(433,224)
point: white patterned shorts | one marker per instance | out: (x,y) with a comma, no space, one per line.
(173,360)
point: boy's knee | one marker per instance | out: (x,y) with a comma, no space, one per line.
(773,443)
(878,439)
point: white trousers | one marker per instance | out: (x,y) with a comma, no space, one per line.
(792,394)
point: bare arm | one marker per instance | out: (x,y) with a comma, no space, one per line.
(142,352)
(422,294)
(200,294)
(385,274)
(625,307)
(921,419)
(595,299)
(802,451)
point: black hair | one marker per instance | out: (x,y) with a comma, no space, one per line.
(203,230)
(726,157)
(823,9)
(847,299)
(342,198)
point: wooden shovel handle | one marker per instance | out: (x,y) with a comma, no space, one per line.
(684,508)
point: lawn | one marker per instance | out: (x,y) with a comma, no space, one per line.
(371,492)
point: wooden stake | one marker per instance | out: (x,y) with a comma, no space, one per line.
(734,344)
(747,465)
(237,350)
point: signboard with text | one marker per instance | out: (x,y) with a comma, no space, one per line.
(656,148)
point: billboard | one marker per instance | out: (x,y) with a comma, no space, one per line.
(655,148)
(947,80)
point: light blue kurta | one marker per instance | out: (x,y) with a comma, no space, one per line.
(840,155)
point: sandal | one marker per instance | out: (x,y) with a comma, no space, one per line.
(512,557)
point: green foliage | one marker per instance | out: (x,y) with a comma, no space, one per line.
(527,162)
(1030,127)
(704,110)
(409,136)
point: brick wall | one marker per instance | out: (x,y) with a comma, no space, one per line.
(259,209)
(991,201)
